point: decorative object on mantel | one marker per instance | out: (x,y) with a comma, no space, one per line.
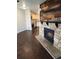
(47,23)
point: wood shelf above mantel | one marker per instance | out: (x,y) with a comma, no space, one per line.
(50,21)
(50,3)
(55,20)
(50,9)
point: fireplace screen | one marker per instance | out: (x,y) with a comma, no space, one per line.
(49,34)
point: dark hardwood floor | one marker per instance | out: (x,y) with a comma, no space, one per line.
(29,48)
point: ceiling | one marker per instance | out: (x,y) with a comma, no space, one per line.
(32,4)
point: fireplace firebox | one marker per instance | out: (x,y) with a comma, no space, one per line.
(49,35)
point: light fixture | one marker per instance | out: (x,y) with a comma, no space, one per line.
(23,4)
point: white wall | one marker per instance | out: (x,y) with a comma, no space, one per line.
(28,19)
(21,22)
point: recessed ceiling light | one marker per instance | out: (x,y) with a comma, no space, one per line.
(24,6)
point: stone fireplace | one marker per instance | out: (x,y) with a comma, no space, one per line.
(50,38)
(51,33)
